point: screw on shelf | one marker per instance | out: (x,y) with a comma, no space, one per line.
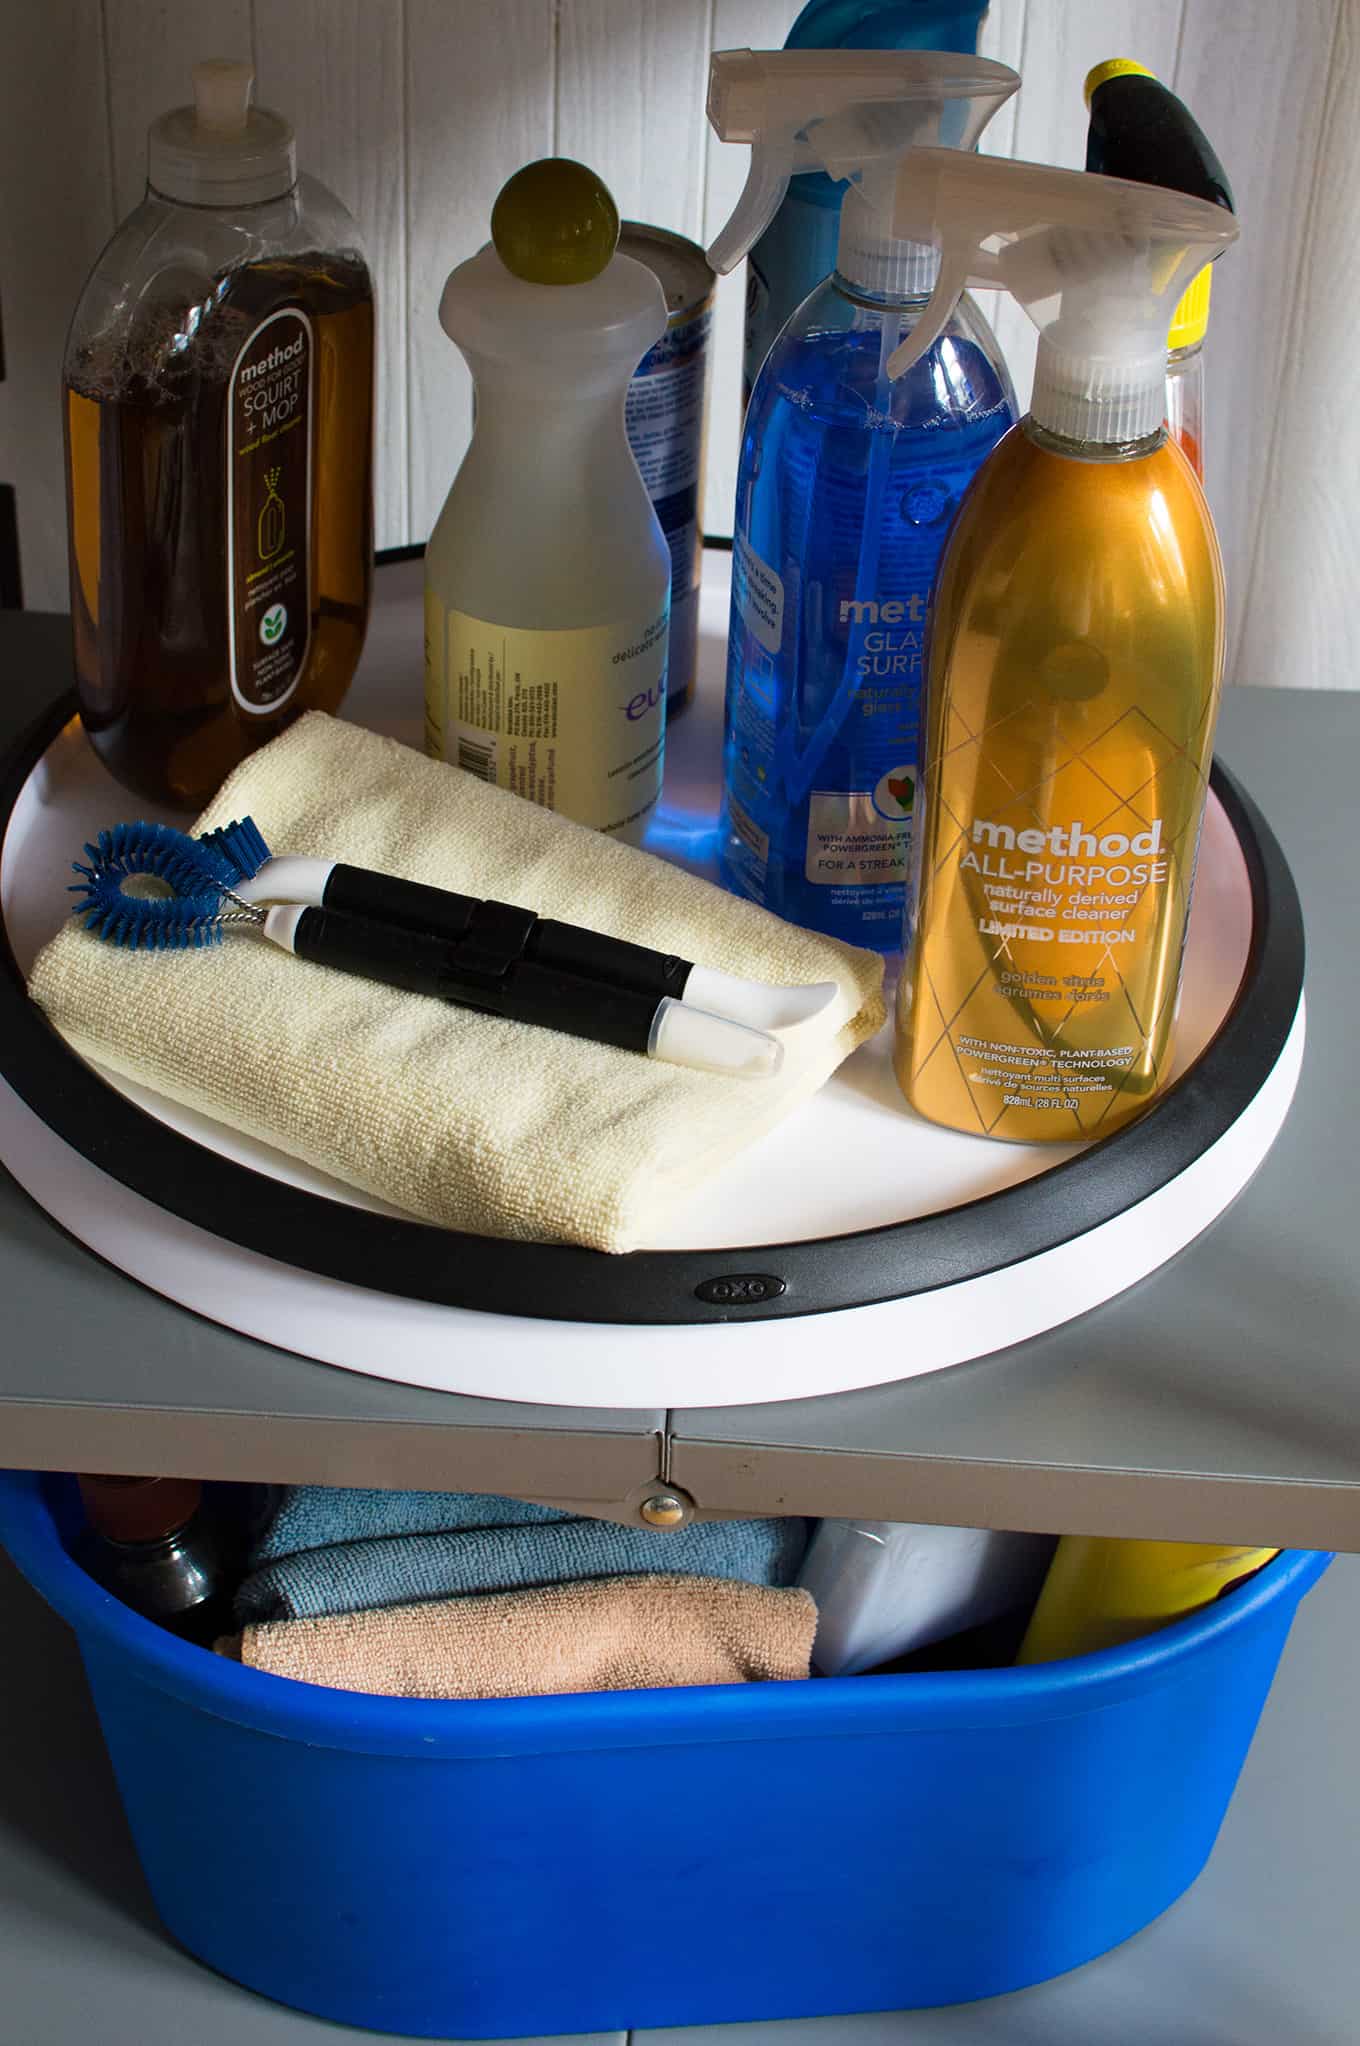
(665,1509)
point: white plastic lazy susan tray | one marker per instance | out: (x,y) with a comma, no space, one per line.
(854,1246)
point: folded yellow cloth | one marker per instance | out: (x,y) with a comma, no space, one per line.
(605,1634)
(463,1119)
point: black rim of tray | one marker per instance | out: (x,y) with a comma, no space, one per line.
(419,1261)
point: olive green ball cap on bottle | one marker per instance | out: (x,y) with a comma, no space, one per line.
(555,222)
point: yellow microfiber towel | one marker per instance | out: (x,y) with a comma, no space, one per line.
(465,1120)
(605,1634)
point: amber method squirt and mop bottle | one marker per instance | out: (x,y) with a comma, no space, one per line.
(1075,654)
(218,401)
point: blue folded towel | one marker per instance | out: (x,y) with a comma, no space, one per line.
(319,1516)
(330,1551)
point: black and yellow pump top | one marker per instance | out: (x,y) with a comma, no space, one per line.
(1140,130)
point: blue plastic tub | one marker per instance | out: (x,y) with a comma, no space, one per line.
(487,1869)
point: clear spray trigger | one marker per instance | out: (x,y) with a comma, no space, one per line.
(850,113)
(1096,262)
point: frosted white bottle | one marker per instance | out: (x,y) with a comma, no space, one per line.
(547,579)
(886,1588)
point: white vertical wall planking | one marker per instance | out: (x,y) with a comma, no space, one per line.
(415,111)
(1060,41)
(55,219)
(752,25)
(1257,76)
(631,80)
(335,67)
(1002,38)
(1298,591)
(479,103)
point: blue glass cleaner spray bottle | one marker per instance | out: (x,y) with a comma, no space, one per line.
(846,489)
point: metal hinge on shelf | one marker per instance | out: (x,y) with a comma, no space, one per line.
(655,1503)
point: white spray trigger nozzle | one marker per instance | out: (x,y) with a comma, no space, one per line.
(1096,262)
(838,111)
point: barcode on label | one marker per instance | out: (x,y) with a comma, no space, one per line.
(478,760)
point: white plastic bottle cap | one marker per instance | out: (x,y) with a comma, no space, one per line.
(875,261)
(221,151)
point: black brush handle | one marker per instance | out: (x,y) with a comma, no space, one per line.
(572,949)
(374,951)
(568,948)
(410,904)
(583,1008)
(528,992)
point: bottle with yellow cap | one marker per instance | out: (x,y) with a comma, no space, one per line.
(547,578)
(1139,130)
(1099,1593)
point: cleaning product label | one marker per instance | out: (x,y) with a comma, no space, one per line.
(850,835)
(757,595)
(830,594)
(856,840)
(269,507)
(1062,911)
(1047,995)
(860,837)
(575,721)
(436,668)
(665,418)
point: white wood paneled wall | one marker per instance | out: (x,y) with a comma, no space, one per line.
(415,112)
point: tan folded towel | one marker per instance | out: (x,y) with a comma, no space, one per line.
(463,1119)
(606,1634)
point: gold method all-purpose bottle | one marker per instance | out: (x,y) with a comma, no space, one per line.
(1076,647)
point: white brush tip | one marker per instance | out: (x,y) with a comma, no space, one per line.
(281,922)
(684,1036)
(287,878)
(755,1002)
